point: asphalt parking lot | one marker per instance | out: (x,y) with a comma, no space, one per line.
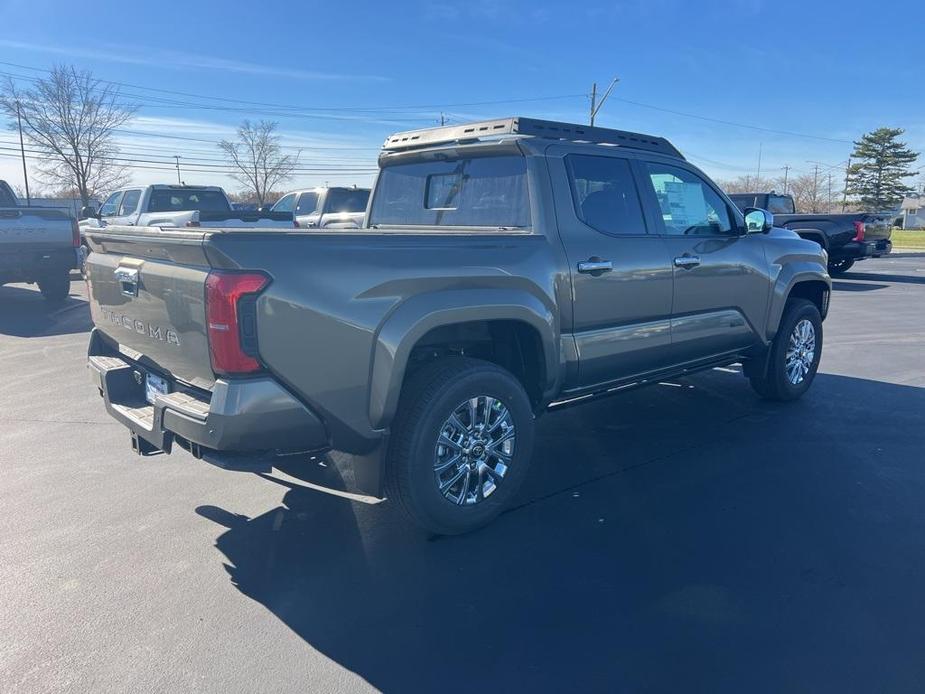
(685,537)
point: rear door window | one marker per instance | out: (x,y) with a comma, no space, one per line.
(470,192)
(604,194)
(308,203)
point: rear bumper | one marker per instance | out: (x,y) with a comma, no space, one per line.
(246,416)
(858,250)
(244,424)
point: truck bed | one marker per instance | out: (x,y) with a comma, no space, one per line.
(331,300)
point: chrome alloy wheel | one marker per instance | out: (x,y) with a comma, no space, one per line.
(801,351)
(474,450)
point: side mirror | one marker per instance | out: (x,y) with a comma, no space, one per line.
(264,209)
(758,221)
(89,211)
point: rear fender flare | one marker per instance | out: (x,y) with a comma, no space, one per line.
(410,321)
(811,234)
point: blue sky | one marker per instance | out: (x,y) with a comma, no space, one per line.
(349,73)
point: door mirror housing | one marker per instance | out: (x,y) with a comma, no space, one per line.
(89,211)
(758,221)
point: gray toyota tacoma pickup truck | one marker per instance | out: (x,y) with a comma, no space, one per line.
(504,267)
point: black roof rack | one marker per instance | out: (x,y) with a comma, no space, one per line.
(518,125)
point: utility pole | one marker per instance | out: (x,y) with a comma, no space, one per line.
(177,157)
(828,199)
(759,164)
(595,104)
(844,195)
(22,151)
(786,176)
(815,187)
(442,119)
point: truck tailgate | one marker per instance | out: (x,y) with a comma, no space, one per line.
(34,228)
(147,295)
(878,227)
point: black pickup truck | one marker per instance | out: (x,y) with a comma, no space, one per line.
(847,238)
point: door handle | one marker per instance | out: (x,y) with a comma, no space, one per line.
(595,266)
(687,261)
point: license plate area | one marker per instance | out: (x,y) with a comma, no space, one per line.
(154,386)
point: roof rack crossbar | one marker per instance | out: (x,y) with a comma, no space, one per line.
(468,132)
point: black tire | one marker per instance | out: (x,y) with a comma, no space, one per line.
(55,286)
(428,400)
(840,267)
(775,384)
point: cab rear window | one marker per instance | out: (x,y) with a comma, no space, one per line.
(180,200)
(468,192)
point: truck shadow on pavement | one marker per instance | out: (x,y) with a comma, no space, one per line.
(857,286)
(881,277)
(24,313)
(685,533)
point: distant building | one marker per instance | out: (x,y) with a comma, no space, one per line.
(913,213)
(72,205)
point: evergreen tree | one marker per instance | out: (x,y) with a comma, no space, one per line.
(883,163)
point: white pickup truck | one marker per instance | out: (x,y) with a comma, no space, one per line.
(177,206)
(331,207)
(37,244)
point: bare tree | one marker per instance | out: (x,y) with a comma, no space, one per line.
(257,159)
(810,194)
(69,118)
(747,184)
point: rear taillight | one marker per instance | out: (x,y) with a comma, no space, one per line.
(75,234)
(192,224)
(859,231)
(295,223)
(231,319)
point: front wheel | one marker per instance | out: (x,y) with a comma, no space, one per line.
(461,444)
(839,267)
(795,353)
(55,286)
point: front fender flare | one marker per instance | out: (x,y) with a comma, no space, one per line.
(792,273)
(414,318)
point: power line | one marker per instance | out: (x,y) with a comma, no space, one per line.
(305,109)
(732,123)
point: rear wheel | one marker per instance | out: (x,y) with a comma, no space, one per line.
(838,267)
(55,286)
(461,444)
(795,353)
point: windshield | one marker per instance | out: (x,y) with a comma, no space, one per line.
(180,200)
